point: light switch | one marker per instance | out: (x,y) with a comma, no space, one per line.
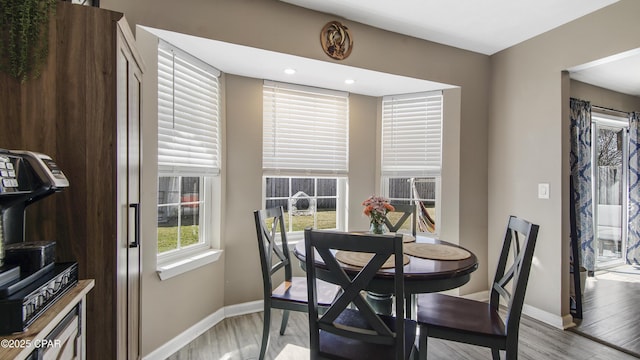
(543,191)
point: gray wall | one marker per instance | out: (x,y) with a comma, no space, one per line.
(264,24)
(513,124)
(604,97)
(171,306)
(529,141)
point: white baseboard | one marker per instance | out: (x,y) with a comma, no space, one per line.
(187,336)
(479,296)
(180,341)
(560,322)
(244,308)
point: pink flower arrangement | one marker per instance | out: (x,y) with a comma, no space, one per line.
(377,207)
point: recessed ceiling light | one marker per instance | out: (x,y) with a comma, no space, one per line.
(349,81)
(289,71)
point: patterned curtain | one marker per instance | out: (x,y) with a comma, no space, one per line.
(580,160)
(633,239)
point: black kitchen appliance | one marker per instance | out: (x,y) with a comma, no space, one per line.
(30,280)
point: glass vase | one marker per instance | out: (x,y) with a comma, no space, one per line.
(377,228)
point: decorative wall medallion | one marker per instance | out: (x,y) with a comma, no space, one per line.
(336,40)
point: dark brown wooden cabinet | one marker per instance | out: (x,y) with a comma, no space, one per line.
(84,112)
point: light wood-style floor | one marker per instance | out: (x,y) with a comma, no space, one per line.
(610,310)
(238,338)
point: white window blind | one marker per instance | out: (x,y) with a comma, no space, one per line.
(188,114)
(412,134)
(305,130)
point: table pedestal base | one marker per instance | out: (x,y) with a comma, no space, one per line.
(381,303)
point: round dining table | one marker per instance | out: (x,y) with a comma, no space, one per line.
(421,275)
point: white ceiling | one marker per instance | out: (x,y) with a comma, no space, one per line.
(486,26)
(263,64)
(620,72)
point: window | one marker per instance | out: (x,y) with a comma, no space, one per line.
(412,153)
(188,152)
(305,155)
(308,201)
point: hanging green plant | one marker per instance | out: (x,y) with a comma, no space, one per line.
(24,33)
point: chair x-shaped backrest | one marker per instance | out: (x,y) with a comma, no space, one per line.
(267,235)
(518,272)
(408,212)
(381,247)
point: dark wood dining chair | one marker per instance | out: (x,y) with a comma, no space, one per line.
(344,332)
(291,294)
(408,212)
(479,323)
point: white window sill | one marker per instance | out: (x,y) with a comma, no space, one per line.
(168,270)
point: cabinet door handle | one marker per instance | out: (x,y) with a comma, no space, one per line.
(136,240)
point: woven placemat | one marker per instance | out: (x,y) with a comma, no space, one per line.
(436,251)
(361,259)
(406,238)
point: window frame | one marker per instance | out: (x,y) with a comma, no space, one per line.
(430,167)
(207,248)
(341,203)
(438,182)
(208,186)
(608,120)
